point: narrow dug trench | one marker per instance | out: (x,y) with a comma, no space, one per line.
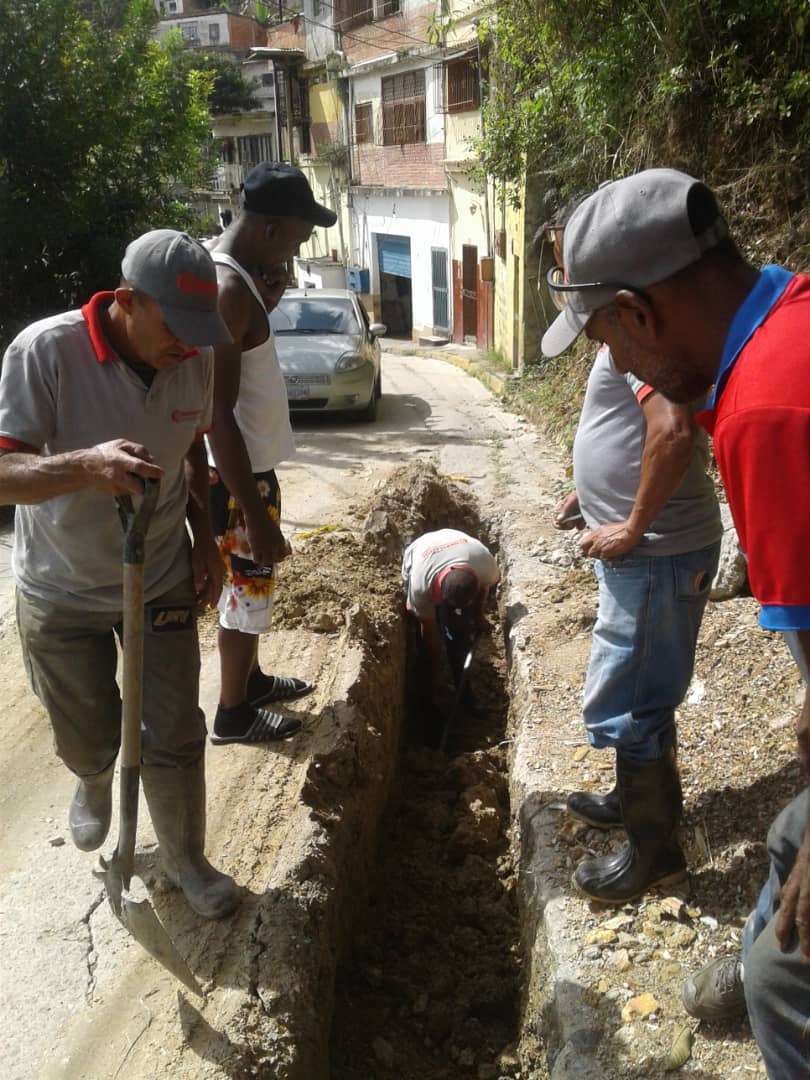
(430,988)
(384,934)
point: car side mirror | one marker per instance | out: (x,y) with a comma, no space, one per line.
(378,329)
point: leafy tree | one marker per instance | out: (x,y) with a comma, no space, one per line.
(231,91)
(101,129)
(589,90)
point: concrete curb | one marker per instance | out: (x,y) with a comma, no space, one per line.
(556,1005)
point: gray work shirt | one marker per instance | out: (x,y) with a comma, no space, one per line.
(62,388)
(607,467)
(430,554)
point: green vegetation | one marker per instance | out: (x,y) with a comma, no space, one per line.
(592,90)
(102,129)
(231,92)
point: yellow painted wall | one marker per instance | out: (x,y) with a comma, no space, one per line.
(509,280)
(467,215)
(324,241)
(460,30)
(324,104)
(459,129)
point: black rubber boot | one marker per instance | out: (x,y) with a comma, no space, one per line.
(176,800)
(600,811)
(651,803)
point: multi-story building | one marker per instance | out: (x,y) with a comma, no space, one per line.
(205,24)
(391,112)
(379,102)
(243,138)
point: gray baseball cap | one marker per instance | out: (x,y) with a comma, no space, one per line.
(180,275)
(630,234)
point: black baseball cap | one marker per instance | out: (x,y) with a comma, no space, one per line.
(280,190)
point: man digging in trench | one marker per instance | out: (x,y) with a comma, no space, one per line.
(651,271)
(250,436)
(655,528)
(448,576)
(92,401)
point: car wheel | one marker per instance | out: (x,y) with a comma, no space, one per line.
(370,412)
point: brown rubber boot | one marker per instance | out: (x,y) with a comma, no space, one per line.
(176,800)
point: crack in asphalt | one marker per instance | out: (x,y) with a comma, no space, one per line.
(91,956)
(256,949)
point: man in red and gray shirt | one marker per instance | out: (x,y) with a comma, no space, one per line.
(92,402)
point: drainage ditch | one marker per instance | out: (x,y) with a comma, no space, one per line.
(431,986)
(388,939)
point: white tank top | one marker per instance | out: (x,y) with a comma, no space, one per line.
(261,410)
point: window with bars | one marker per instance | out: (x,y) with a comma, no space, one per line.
(457,84)
(463,85)
(387,7)
(403,107)
(363,123)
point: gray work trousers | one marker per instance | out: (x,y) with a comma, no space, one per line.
(777,983)
(71,660)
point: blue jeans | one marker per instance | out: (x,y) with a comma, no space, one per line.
(643,648)
(777,983)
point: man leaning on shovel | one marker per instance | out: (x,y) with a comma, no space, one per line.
(92,403)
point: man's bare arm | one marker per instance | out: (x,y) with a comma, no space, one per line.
(227,443)
(115,467)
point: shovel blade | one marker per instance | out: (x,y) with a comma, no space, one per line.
(139,918)
(140,921)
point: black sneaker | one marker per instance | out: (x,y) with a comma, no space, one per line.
(716,991)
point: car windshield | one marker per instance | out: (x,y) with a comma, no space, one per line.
(321,315)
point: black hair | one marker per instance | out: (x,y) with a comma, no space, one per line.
(459,587)
(703,212)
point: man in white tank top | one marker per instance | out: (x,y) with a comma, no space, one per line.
(250,436)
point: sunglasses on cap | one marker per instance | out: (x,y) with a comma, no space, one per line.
(559,288)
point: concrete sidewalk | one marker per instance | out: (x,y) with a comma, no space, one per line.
(474,361)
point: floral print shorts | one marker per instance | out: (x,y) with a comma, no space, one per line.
(246,601)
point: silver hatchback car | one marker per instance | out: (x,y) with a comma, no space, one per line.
(328,351)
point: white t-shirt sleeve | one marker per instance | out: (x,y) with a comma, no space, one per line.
(28,394)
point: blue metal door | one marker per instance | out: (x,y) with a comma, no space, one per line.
(394,255)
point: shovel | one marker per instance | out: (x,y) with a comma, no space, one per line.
(460,688)
(137,916)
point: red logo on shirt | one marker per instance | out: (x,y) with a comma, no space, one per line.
(187,283)
(180,416)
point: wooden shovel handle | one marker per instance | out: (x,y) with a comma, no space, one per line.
(135,524)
